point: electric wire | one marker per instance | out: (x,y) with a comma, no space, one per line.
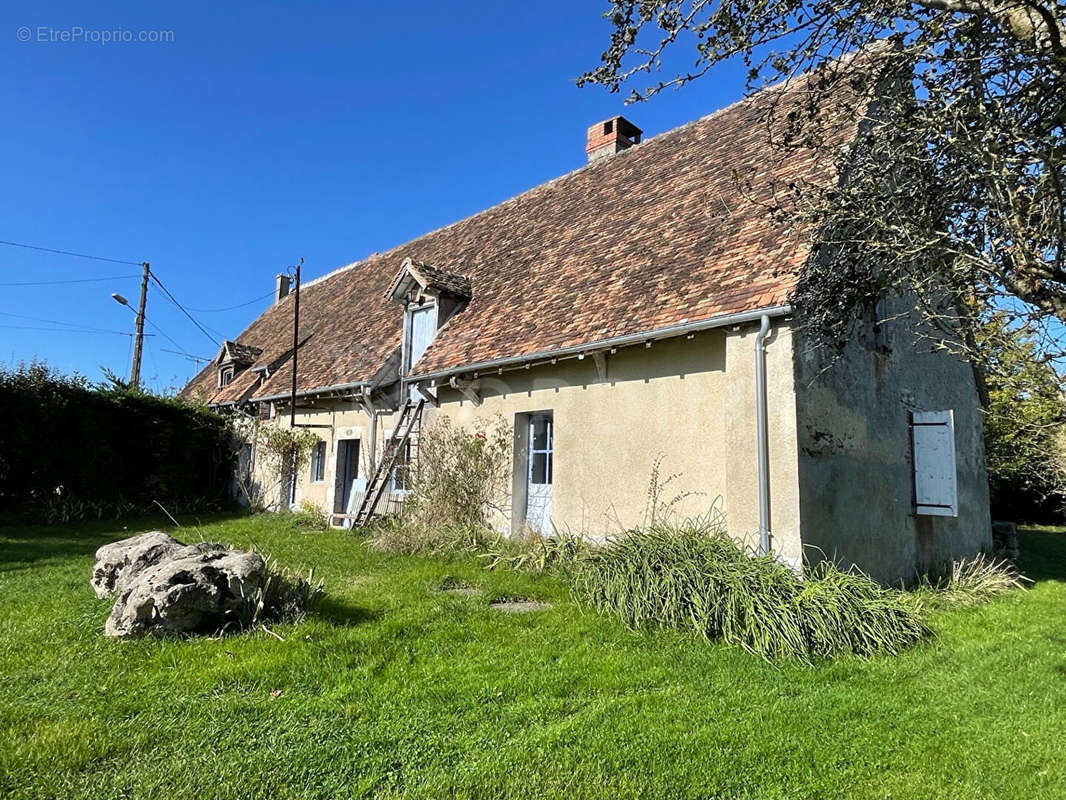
(74,280)
(230,308)
(60,322)
(183,354)
(66,330)
(163,333)
(174,300)
(71,253)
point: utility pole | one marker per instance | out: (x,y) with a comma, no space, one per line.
(295,345)
(138,341)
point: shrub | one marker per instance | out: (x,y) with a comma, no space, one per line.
(310,517)
(971,582)
(77,450)
(694,576)
(1025,425)
(460,479)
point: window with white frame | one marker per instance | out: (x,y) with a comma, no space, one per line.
(318,463)
(225,376)
(540,449)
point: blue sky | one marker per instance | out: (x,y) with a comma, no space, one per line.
(265,132)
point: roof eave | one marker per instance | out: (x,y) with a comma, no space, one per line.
(340,387)
(670,331)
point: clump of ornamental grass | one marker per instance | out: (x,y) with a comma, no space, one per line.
(285,596)
(694,577)
(970,582)
(559,552)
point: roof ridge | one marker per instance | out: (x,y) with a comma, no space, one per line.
(542,186)
(779,86)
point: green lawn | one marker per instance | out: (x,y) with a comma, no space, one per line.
(396,689)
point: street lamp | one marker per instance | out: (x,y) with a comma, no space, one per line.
(138,341)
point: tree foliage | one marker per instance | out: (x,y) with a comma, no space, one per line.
(955,194)
(1024,428)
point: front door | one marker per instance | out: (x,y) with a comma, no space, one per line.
(423,329)
(539,486)
(347,474)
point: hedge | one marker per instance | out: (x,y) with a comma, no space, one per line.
(113,448)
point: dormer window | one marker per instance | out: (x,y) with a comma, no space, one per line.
(233,359)
(421,329)
(429,296)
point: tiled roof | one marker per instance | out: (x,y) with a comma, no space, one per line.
(430,277)
(238,353)
(655,235)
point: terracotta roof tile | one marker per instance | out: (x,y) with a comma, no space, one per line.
(637,241)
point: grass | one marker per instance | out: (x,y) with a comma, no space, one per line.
(398,689)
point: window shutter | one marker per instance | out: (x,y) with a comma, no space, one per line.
(933,462)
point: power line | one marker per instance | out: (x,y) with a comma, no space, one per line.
(189,356)
(230,308)
(174,300)
(61,322)
(65,330)
(71,253)
(162,333)
(76,280)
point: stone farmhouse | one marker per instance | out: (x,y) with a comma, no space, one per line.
(634,310)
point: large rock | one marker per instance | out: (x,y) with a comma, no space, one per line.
(119,563)
(197,593)
(128,557)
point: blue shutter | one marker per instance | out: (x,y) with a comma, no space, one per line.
(933,444)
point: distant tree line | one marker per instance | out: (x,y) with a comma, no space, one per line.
(70,448)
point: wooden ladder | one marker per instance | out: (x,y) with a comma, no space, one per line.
(407,426)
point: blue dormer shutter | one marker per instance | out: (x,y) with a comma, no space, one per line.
(423,329)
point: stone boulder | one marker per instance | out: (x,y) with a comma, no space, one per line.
(129,557)
(194,593)
(119,562)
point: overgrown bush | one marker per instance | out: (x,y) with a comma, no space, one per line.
(280,453)
(460,480)
(1025,426)
(74,449)
(695,577)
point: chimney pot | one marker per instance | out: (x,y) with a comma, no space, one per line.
(611,136)
(281,288)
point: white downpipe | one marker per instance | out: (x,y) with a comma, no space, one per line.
(762,434)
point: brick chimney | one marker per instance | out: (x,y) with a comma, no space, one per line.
(281,288)
(611,136)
